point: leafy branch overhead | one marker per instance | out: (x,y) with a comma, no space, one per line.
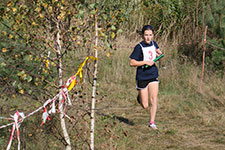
(29,30)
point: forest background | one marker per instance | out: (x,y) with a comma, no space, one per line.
(43,42)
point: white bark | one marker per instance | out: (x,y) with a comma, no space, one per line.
(62,119)
(94,88)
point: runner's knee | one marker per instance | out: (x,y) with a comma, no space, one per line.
(153,101)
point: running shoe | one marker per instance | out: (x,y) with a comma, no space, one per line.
(153,126)
(138,99)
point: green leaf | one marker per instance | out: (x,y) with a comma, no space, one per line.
(29,91)
(3,64)
(37,104)
(120,31)
(113,27)
(92,5)
(29,78)
(14,83)
(108,45)
(105,17)
(21,73)
(93,12)
(81,12)
(19,86)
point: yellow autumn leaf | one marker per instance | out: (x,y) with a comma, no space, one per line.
(50,9)
(97,47)
(9,4)
(41,15)
(59,17)
(47,63)
(23,76)
(4,50)
(53,64)
(45,5)
(10,36)
(102,34)
(108,54)
(38,9)
(113,35)
(34,23)
(14,9)
(21,91)
(62,14)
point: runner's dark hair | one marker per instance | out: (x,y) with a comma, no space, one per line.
(147,27)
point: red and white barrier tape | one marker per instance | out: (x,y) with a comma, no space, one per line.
(45,116)
(16,126)
(69,84)
(4,126)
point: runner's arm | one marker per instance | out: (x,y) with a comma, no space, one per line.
(135,63)
(158,52)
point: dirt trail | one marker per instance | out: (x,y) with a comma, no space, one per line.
(176,131)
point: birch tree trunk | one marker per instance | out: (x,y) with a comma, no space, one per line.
(94,87)
(62,119)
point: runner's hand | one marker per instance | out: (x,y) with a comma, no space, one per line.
(149,63)
(158,52)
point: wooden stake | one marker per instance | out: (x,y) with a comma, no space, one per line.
(203,60)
